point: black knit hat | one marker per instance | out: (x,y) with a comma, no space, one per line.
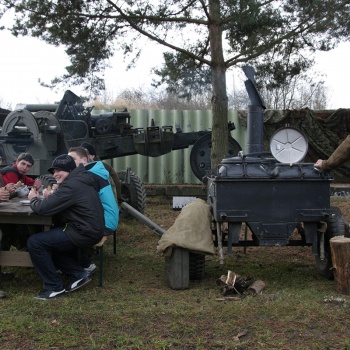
(89,147)
(63,162)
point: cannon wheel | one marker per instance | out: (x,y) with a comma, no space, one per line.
(22,118)
(335,227)
(134,192)
(200,154)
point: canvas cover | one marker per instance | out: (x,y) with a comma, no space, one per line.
(191,230)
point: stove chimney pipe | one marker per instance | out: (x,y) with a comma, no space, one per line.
(255,119)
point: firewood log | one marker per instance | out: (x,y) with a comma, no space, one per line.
(256,287)
(340,249)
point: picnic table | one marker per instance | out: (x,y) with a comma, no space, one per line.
(13,212)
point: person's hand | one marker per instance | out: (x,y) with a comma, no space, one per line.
(318,164)
(11,187)
(37,183)
(47,192)
(4,194)
(33,193)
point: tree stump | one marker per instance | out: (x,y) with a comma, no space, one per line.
(340,249)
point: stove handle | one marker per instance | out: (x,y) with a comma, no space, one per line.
(272,173)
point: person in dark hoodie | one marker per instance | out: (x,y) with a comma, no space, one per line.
(77,203)
(105,191)
(102,186)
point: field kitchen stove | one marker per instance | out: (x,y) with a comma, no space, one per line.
(273,193)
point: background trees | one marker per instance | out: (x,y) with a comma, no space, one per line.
(211,34)
(303,94)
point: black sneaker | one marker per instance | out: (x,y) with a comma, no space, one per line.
(49,294)
(77,284)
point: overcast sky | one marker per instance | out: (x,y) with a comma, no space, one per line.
(27,60)
(23,61)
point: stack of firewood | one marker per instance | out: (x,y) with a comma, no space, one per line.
(234,284)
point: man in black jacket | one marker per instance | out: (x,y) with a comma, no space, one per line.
(77,203)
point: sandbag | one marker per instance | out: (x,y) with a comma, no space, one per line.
(191,230)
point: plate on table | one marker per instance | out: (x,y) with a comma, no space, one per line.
(25,202)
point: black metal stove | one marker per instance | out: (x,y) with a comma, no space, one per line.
(273,195)
(270,197)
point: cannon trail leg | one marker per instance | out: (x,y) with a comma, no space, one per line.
(152,225)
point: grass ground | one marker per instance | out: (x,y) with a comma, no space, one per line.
(135,309)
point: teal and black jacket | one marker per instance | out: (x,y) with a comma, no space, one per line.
(105,191)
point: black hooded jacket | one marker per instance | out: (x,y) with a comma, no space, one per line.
(77,201)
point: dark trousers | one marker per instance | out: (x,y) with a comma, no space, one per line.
(16,235)
(51,251)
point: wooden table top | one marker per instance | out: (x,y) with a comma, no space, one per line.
(13,212)
(14,207)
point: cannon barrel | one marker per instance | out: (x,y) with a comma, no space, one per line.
(38,107)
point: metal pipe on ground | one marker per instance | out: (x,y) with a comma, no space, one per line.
(152,225)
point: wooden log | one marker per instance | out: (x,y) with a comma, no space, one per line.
(230,298)
(256,287)
(177,269)
(231,278)
(340,249)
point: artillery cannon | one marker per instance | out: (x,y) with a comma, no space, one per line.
(47,131)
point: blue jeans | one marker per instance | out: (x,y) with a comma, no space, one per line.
(51,251)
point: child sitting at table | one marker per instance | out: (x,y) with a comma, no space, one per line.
(77,203)
(12,174)
(105,192)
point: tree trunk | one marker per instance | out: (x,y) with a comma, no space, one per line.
(219,98)
(340,249)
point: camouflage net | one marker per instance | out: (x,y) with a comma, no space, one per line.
(323,130)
